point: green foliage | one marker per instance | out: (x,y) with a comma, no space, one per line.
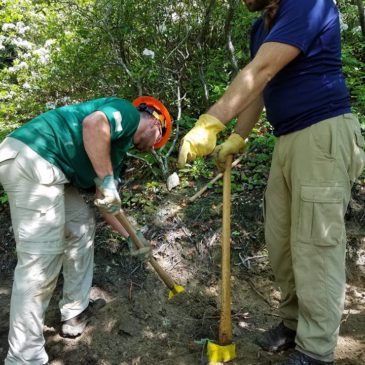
(199,168)
(142,198)
(258,161)
(354,69)
(4,131)
(353,57)
(3,197)
(59,52)
(54,53)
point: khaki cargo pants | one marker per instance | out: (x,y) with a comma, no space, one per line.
(53,229)
(307,195)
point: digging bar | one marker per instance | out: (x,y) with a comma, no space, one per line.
(174,288)
(225,350)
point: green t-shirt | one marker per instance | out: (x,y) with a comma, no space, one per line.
(57,136)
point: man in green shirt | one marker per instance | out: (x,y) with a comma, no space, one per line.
(43,164)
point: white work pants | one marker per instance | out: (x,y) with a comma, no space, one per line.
(53,228)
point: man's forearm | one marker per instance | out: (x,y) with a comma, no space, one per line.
(251,80)
(245,89)
(249,117)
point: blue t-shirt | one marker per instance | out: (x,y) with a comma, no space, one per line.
(312,87)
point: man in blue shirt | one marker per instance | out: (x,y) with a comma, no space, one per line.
(296,74)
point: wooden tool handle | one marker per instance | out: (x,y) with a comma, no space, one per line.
(225,325)
(128,227)
(205,187)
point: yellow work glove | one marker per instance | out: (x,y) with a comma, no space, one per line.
(200,140)
(232,145)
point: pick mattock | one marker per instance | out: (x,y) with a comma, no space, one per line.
(174,288)
(225,350)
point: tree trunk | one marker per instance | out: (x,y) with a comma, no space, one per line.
(232,5)
(201,44)
(360,6)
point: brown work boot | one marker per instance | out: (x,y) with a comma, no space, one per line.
(277,339)
(75,326)
(298,358)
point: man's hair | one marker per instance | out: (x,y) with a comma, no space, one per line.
(270,13)
(147,116)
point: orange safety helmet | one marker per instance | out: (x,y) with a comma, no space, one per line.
(155,108)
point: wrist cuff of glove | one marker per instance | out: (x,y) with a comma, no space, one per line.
(207,121)
(108,181)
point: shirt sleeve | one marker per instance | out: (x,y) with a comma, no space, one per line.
(122,116)
(300,22)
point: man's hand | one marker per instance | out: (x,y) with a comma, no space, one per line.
(144,253)
(111,202)
(232,145)
(200,140)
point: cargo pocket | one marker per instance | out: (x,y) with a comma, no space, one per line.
(39,223)
(36,168)
(321,217)
(7,155)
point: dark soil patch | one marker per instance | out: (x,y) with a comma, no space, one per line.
(139,325)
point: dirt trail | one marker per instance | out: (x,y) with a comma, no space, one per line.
(139,325)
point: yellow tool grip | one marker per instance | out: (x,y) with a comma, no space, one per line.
(176,290)
(220,353)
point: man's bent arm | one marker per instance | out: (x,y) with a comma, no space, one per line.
(252,79)
(96,137)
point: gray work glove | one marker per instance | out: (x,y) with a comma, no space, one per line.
(144,253)
(111,200)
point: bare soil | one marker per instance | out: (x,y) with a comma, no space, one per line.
(139,325)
